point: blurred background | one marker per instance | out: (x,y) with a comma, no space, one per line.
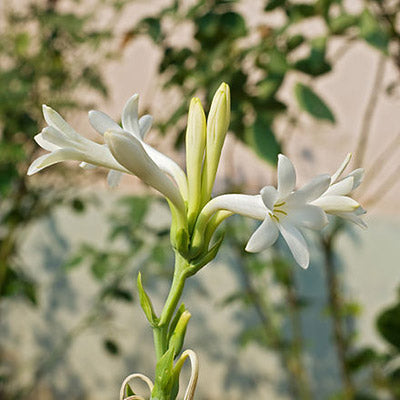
(312,79)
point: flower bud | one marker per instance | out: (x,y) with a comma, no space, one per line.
(217,126)
(195,144)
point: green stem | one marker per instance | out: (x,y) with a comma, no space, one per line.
(336,307)
(160,332)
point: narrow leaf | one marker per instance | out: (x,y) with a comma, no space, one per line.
(145,302)
(310,102)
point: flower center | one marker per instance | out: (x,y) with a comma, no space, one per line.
(277,211)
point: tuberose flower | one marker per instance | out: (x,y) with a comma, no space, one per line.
(332,200)
(138,128)
(64,143)
(282,210)
(285,210)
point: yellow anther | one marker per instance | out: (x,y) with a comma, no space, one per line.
(273,216)
(280,211)
(280,204)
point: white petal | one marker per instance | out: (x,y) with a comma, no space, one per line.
(130,116)
(286,176)
(341,188)
(129,152)
(296,243)
(332,204)
(248,206)
(145,123)
(311,191)
(113,178)
(269,196)
(308,216)
(264,236)
(170,167)
(53,158)
(61,140)
(353,217)
(44,144)
(102,123)
(54,119)
(87,166)
(358,175)
(340,170)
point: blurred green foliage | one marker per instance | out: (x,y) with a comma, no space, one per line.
(47,56)
(256,60)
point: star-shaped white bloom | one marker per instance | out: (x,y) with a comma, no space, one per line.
(64,143)
(138,128)
(282,210)
(332,200)
(285,210)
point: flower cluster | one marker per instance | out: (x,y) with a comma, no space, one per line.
(195,214)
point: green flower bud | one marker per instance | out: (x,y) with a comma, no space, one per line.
(195,145)
(217,127)
(177,338)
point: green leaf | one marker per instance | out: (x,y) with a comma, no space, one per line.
(22,43)
(341,23)
(129,391)
(111,347)
(294,41)
(361,358)
(388,324)
(153,28)
(145,302)
(74,262)
(277,64)
(178,335)
(372,32)
(267,88)
(262,139)
(164,372)
(310,102)
(175,320)
(315,63)
(204,259)
(273,4)
(233,25)
(298,12)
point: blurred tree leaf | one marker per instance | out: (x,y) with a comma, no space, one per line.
(341,23)
(273,4)
(361,358)
(373,32)
(262,139)
(388,324)
(315,64)
(112,347)
(153,28)
(310,102)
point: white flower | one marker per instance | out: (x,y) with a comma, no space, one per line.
(282,210)
(138,128)
(129,152)
(64,143)
(335,199)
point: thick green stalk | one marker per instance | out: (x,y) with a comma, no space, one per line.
(160,331)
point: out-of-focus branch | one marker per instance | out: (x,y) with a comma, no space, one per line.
(369,112)
(383,188)
(335,307)
(380,161)
(290,353)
